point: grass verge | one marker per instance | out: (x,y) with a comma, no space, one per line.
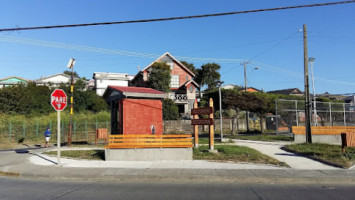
(262,137)
(235,154)
(326,153)
(225,153)
(81,154)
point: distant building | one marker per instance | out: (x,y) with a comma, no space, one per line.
(54,80)
(104,79)
(182,85)
(333,97)
(228,87)
(251,89)
(12,80)
(290,91)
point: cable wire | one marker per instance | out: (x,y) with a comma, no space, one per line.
(176,18)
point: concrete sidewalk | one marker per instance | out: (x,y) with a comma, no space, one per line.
(273,149)
(39,166)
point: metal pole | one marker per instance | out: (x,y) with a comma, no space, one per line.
(306,88)
(311,60)
(276,118)
(220,112)
(58,137)
(296,113)
(330,114)
(246,88)
(344,114)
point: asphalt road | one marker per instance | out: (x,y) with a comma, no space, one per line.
(38,190)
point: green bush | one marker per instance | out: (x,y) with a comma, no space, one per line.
(170,110)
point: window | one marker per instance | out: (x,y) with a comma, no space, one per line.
(174,83)
(171,64)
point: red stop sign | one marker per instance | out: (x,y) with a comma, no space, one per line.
(59,99)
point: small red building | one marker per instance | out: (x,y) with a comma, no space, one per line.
(135,110)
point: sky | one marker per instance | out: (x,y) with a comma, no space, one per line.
(272,42)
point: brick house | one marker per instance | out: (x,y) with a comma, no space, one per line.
(135,110)
(182,85)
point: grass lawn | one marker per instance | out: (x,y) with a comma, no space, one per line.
(263,137)
(326,153)
(225,153)
(81,154)
(235,154)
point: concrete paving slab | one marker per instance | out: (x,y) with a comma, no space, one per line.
(273,149)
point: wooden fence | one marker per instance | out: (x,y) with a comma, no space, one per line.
(323,130)
(149,141)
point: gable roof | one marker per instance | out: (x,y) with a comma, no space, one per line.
(286,91)
(14,77)
(172,57)
(250,89)
(190,81)
(120,92)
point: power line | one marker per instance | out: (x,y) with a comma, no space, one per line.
(43,43)
(176,18)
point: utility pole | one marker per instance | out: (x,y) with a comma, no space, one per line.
(246,90)
(306,87)
(71,66)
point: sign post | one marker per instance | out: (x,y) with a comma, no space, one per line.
(59,102)
(209,121)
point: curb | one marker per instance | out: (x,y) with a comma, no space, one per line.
(188,178)
(10,174)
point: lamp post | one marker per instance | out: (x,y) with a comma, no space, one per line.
(219,84)
(311,61)
(70,65)
(246,89)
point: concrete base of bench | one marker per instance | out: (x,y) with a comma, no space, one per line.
(148,154)
(325,139)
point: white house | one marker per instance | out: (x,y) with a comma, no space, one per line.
(103,79)
(54,80)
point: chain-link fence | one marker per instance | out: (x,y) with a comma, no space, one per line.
(83,131)
(292,113)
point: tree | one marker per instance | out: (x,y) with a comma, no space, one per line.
(170,110)
(190,66)
(68,72)
(159,77)
(209,75)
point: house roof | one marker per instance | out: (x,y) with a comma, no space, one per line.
(190,81)
(286,91)
(172,57)
(135,89)
(14,77)
(251,89)
(120,92)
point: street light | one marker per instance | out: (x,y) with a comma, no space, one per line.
(219,84)
(246,89)
(70,65)
(311,61)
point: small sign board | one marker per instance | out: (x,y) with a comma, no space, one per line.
(59,99)
(202,122)
(202,111)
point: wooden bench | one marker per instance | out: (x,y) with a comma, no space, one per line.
(149,141)
(323,130)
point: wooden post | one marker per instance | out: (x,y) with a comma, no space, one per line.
(196,127)
(211,129)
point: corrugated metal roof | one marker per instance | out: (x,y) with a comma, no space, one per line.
(135,89)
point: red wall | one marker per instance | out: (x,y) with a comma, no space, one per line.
(140,114)
(178,70)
